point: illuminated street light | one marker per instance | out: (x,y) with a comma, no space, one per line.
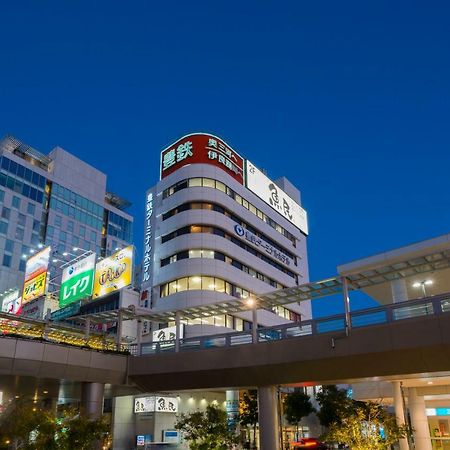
(422,284)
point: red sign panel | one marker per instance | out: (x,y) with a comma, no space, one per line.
(202,149)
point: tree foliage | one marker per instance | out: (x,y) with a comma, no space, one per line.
(31,428)
(206,430)
(368,427)
(297,405)
(334,405)
(248,415)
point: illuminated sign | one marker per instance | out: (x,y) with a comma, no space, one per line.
(77,281)
(201,148)
(437,411)
(155,404)
(114,273)
(275,197)
(148,238)
(167,334)
(260,243)
(12,302)
(36,276)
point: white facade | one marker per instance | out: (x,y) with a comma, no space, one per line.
(200,256)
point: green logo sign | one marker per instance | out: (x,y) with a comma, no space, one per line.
(77,281)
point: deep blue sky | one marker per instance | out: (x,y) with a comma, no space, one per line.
(349,100)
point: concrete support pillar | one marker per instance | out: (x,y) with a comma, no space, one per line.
(177,330)
(138,337)
(254,324)
(419,420)
(400,412)
(399,290)
(346,299)
(92,399)
(269,426)
(87,328)
(119,330)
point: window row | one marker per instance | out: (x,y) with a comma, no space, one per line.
(286,313)
(202,283)
(212,254)
(219,232)
(221,320)
(214,184)
(21,188)
(220,209)
(77,214)
(76,200)
(120,227)
(22,172)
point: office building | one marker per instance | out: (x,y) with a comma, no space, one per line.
(55,200)
(218,228)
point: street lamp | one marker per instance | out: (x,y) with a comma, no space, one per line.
(422,284)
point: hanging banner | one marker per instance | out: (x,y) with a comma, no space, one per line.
(36,275)
(113,273)
(77,281)
(12,302)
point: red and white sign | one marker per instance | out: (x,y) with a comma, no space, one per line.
(200,148)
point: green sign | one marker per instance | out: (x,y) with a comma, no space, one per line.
(77,281)
(68,311)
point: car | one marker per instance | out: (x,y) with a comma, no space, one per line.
(309,443)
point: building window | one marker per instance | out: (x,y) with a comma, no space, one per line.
(82,231)
(22,265)
(19,233)
(21,220)
(9,246)
(58,221)
(6,213)
(200,282)
(70,226)
(35,240)
(50,231)
(36,225)
(31,208)
(15,202)
(7,260)
(63,236)
(2,196)
(75,241)
(93,236)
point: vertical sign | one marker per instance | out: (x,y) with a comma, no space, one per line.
(149,247)
(77,281)
(36,276)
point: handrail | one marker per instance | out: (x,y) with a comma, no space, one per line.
(408,309)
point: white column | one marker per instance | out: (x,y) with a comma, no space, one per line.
(232,403)
(92,399)
(254,324)
(177,330)
(400,412)
(119,330)
(346,299)
(399,290)
(419,420)
(268,418)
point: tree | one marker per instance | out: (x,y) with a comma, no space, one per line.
(334,405)
(206,430)
(368,427)
(248,416)
(297,405)
(32,428)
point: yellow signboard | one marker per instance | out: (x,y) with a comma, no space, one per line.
(34,288)
(36,275)
(113,273)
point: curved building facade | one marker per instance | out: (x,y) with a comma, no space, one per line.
(209,238)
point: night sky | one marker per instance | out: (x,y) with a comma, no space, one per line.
(349,100)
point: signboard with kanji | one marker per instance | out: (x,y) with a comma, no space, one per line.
(36,276)
(199,148)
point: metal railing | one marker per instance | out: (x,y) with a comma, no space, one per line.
(411,309)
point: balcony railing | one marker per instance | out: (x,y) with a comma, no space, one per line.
(411,309)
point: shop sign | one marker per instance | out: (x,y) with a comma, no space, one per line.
(113,273)
(12,302)
(167,334)
(77,281)
(199,148)
(262,244)
(148,238)
(275,197)
(155,404)
(68,311)
(36,276)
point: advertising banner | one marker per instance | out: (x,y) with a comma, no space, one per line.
(36,275)
(166,335)
(113,273)
(77,281)
(275,197)
(156,404)
(12,302)
(205,149)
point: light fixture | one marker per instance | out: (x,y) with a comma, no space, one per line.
(54,260)
(40,245)
(65,254)
(430,382)
(250,301)
(75,249)
(422,284)
(31,250)
(196,279)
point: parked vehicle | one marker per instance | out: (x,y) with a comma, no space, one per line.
(309,443)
